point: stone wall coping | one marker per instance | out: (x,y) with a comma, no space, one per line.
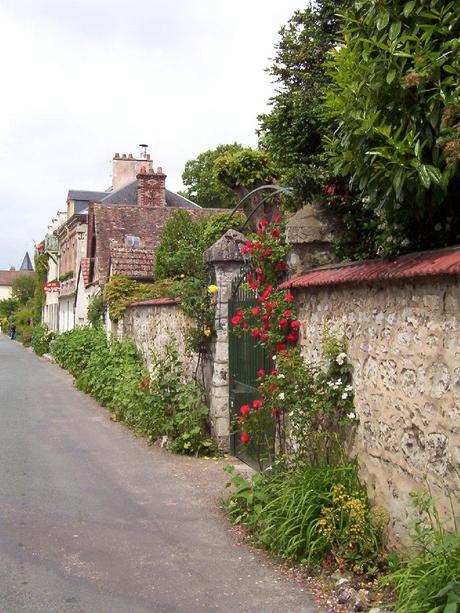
(156,302)
(420,264)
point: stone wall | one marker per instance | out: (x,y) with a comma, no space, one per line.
(404,345)
(153,324)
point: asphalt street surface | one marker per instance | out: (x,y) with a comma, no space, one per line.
(93,520)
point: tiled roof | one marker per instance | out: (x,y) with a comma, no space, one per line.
(8,276)
(421,264)
(132,262)
(111,224)
(157,302)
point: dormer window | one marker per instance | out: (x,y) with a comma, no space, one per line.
(132,241)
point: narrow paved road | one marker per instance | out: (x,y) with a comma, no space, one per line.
(92,520)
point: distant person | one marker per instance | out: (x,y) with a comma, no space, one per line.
(13,332)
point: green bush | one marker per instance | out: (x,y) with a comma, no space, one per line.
(429,582)
(309,515)
(41,338)
(163,403)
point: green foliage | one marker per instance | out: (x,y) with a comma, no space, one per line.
(23,288)
(287,511)
(163,403)
(429,582)
(121,291)
(292,131)
(96,311)
(8,306)
(41,339)
(395,101)
(66,275)
(180,252)
(39,297)
(202,183)
(247,168)
(73,349)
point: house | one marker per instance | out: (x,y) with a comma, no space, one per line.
(50,313)
(7,277)
(114,231)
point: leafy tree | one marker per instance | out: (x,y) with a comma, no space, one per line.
(23,288)
(184,240)
(245,170)
(39,297)
(8,306)
(202,184)
(292,131)
(395,97)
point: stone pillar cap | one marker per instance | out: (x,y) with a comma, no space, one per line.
(227,248)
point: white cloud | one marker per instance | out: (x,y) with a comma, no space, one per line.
(83,80)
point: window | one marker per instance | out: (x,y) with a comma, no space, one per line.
(132,241)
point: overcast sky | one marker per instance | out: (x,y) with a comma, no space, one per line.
(83,79)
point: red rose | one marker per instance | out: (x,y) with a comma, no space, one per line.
(244,438)
(289,297)
(273,371)
(266,327)
(282,323)
(267,252)
(245,325)
(248,243)
(261,372)
(292,338)
(260,231)
(245,409)
(249,276)
(275,233)
(264,337)
(278,218)
(255,333)
(263,222)
(266,317)
(281,266)
(258,402)
(244,250)
(235,320)
(253,285)
(255,310)
(295,324)
(257,245)
(280,347)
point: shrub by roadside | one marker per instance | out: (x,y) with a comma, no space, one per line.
(162,403)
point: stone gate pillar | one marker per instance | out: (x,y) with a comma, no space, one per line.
(224,260)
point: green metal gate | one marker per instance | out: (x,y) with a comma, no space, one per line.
(246,357)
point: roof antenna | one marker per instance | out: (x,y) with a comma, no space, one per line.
(143,151)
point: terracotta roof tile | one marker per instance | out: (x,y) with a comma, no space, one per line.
(132,262)
(421,264)
(8,276)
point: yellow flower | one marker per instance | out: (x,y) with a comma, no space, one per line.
(207,331)
(212,289)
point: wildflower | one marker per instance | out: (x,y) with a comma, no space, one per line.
(281,376)
(207,331)
(340,359)
(281,396)
(212,289)
(273,357)
(244,438)
(344,396)
(351,415)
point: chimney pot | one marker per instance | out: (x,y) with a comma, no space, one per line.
(116,156)
(130,156)
(159,170)
(124,156)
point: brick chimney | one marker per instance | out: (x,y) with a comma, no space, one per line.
(151,187)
